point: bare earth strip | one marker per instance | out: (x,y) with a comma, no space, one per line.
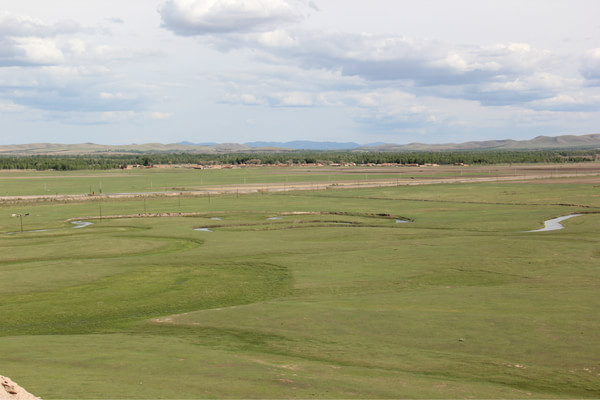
(547,177)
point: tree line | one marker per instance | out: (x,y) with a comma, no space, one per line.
(103,162)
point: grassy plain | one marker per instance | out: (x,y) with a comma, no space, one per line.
(27,183)
(306,294)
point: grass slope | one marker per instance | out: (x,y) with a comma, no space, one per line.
(459,302)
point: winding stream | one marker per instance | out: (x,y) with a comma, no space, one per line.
(555,223)
(81,224)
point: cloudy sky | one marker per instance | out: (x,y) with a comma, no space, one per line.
(431,71)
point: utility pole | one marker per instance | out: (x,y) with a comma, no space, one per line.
(21,218)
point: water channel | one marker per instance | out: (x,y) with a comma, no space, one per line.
(555,223)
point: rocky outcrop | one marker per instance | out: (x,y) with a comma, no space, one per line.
(11,391)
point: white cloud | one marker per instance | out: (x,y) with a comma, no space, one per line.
(114,116)
(313,5)
(298,64)
(160,115)
(590,67)
(390,57)
(57,68)
(513,73)
(242,98)
(276,39)
(520,89)
(115,20)
(494,75)
(13,25)
(77,47)
(105,95)
(568,102)
(293,99)
(10,107)
(67,89)
(40,51)
(389,109)
(200,17)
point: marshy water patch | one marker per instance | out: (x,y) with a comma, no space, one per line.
(202,229)
(554,223)
(34,231)
(401,221)
(81,224)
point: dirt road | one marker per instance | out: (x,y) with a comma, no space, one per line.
(546,175)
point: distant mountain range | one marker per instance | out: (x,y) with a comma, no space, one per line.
(539,143)
(308,145)
(298,145)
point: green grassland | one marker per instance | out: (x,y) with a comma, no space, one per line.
(313,294)
(25,183)
(20,183)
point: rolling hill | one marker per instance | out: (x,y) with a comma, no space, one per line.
(539,143)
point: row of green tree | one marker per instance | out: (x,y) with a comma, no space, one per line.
(66,163)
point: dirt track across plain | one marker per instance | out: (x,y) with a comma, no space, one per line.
(590,173)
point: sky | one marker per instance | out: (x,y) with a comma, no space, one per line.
(237,71)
